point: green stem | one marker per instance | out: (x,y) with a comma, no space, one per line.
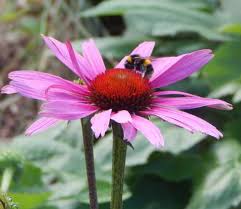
(7,178)
(118,167)
(89,161)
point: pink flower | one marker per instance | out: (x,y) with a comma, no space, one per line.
(118,94)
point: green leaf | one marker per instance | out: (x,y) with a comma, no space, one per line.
(12,16)
(225,67)
(29,200)
(237,95)
(60,157)
(120,7)
(225,90)
(165,18)
(116,47)
(104,192)
(30,180)
(151,193)
(178,139)
(172,167)
(223,73)
(232,128)
(140,154)
(50,144)
(171,21)
(231,9)
(220,187)
(232,29)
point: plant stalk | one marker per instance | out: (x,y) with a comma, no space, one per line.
(7,178)
(88,139)
(118,167)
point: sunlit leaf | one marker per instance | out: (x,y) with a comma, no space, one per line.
(171,167)
(221,186)
(29,200)
(116,47)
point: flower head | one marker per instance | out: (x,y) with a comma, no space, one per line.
(120,89)
(119,94)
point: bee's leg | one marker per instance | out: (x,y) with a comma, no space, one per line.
(149,71)
(142,70)
(138,66)
(129,65)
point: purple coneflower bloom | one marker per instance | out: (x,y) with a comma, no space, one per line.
(117,94)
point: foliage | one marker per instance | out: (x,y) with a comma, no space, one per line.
(192,171)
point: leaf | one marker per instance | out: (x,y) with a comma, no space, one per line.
(223,73)
(178,139)
(224,68)
(237,95)
(225,90)
(42,147)
(140,154)
(29,200)
(78,190)
(151,193)
(116,47)
(220,188)
(172,167)
(171,21)
(231,28)
(165,18)
(30,180)
(12,16)
(232,12)
(232,128)
(104,192)
(60,157)
(120,7)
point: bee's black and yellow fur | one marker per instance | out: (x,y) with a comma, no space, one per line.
(140,65)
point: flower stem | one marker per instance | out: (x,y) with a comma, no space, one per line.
(89,161)
(7,178)
(118,167)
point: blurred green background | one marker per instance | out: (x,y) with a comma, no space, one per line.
(192,171)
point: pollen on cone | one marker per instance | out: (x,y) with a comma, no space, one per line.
(121,89)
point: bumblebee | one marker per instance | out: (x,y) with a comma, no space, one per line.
(140,64)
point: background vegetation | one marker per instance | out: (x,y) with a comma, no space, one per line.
(192,172)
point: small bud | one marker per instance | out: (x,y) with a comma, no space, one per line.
(6,202)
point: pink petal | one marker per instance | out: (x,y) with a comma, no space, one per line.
(41,125)
(122,116)
(163,93)
(58,93)
(100,123)
(129,131)
(185,120)
(93,58)
(170,118)
(67,110)
(73,57)
(8,89)
(144,49)
(60,51)
(65,55)
(172,69)
(34,84)
(191,102)
(148,129)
